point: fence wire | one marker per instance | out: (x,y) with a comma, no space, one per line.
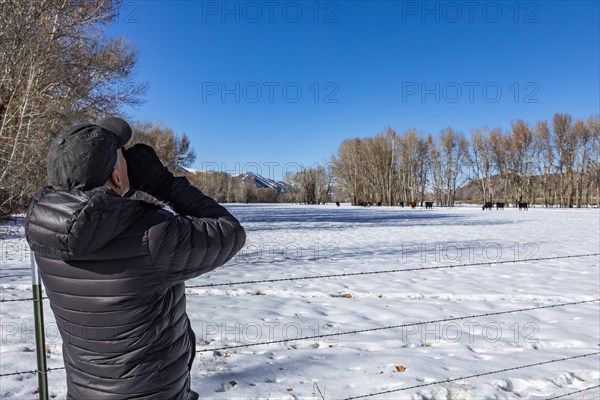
(472,376)
(326,335)
(575,392)
(388,271)
(358,331)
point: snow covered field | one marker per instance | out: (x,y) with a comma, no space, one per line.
(289,241)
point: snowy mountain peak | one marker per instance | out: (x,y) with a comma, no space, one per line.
(263,183)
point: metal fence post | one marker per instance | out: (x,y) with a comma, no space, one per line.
(40,340)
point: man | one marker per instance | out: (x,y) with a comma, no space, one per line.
(114,268)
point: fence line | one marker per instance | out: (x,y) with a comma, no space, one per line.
(473,376)
(476,264)
(397,326)
(33,371)
(570,393)
(366,330)
(27,299)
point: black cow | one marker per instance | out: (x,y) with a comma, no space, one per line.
(487,205)
(401,204)
(337,203)
(499,206)
(429,204)
(523,206)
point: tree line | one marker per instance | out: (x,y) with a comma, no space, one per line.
(555,163)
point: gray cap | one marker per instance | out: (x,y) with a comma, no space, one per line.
(84,157)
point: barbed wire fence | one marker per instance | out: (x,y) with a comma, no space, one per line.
(562,396)
(397,326)
(422,385)
(350,274)
(390,271)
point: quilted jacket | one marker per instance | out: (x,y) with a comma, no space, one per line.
(114,270)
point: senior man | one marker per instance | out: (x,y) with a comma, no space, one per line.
(114,268)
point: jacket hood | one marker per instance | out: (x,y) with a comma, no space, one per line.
(76,225)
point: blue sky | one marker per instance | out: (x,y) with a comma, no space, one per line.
(267,86)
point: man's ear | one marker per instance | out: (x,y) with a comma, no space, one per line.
(114,182)
(115,178)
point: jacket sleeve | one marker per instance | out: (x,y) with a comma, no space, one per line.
(203,237)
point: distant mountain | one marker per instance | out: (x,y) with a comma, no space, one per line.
(260,182)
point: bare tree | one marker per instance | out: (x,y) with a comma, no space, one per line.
(521,159)
(347,168)
(593,124)
(451,158)
(500,145)
(580,179)
(313,184)
(480,162)
(409,160)
(174,150)
(565,141)
(545,163)
(57,68)
(423,153)
(385,169)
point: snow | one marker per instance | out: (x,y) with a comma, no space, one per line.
(287,241)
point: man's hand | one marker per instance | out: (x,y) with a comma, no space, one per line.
(147,173)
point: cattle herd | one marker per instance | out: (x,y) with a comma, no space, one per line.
(500,206)
(490,205)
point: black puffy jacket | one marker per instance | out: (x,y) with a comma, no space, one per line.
(114,271)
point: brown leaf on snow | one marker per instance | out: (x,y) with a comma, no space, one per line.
(400,368)
(290,389)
